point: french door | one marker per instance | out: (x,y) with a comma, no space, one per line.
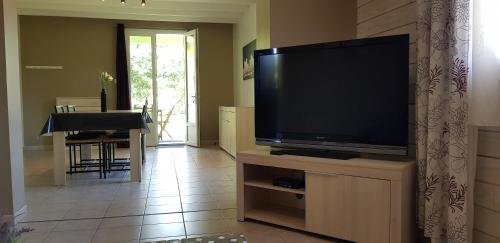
(192,126)
(163,74)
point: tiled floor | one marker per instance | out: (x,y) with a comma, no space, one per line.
(184,192)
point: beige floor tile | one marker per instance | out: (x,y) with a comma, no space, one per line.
(94,204)
(80,236)
(44,216)
(164,193)
(131,195)
(128,203)
(158,201)
(189,207)
(163,218)
(162,239)
(206,227)
(118,234)
(84,224)
(121,222)
(169,208)
(124,211)
(85,213)
(229,214)
(39,227)
(162,230)
(295,236)
(198,198)
(33,237)
(205,176)
(203,215)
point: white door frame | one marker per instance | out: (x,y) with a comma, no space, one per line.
(196,142)
(153,140)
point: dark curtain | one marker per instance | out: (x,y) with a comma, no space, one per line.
(122,81)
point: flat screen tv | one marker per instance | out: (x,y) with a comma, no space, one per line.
(349,96)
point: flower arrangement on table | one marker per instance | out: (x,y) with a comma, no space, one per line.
(9,234)
(105,79)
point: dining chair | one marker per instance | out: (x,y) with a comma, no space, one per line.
(77,139)
(110,144)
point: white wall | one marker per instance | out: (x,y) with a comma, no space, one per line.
(244,32)
(12,198)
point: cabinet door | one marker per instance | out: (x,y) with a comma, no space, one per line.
(326,205)
(232,131)
(346,207)
(370,213)
(224,134)
(221,127)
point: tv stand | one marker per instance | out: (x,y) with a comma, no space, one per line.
(361,200)
(316,153)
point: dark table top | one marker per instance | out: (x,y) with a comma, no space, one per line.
(111,120)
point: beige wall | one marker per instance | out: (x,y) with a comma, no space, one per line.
(298,22)
(12,198)
(393,17)
(295,22)
(263,28)
(244,32)
(85,47)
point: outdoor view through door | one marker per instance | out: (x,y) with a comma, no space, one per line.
(162,73)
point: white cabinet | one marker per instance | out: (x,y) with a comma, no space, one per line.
(236,129)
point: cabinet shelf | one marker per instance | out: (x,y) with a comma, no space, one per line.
(280,215)
(268,184)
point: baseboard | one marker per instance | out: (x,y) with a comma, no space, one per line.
(37,148)
(20,214)
(6,219)
(209,142)
(17,218)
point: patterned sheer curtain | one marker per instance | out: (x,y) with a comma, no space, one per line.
(442,117)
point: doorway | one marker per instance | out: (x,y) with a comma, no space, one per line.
(163,67)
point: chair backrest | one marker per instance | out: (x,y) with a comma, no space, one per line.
(71,108)
(144,109)
(59,109)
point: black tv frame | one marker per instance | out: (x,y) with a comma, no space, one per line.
(322,148)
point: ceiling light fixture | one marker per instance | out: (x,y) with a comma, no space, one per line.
(123,2)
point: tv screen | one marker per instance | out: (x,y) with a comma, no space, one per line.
(346,96)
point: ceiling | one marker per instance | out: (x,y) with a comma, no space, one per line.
(209,11)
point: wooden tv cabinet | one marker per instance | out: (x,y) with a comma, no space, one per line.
(361,199)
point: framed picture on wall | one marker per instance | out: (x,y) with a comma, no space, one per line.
(248,59)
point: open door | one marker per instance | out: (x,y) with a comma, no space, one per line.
(142,72)
(193,118)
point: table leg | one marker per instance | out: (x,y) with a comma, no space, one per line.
(59,150)
(135,155)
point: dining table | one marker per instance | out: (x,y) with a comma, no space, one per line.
(58,124)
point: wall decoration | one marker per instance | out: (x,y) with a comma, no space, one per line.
(248,59)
